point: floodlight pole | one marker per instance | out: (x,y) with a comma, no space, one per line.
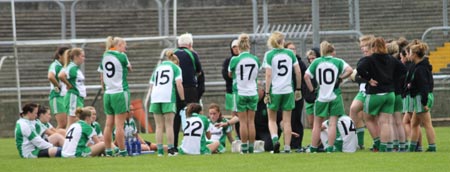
(315,23)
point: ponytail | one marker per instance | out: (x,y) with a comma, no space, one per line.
(112,42)
(276,40)
(172,57)
(59,52)
(83,113)
(244,42)
(66,57)
(193,108)
(326,48)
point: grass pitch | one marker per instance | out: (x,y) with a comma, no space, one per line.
(262,162)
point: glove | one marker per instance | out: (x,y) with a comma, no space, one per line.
(267,99)
(298,95)
(57,90)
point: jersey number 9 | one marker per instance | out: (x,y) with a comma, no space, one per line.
(110,68)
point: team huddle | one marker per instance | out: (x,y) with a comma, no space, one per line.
(395,97)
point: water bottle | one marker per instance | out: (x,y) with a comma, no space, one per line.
(138,146)
(129,147)
(133,146)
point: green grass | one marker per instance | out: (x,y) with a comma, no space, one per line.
(359,161)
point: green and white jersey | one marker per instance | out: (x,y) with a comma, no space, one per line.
(281,61)
(114,68)
(28,142)
(55,68)
(194,137)
(325,71)
(41,127)
(345,133)
(164,82)
(130,128)
(97,128)
(77,138)
(244,69)
(76,78)
(219,133)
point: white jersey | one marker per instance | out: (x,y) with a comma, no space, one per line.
(55,68)
(77,138)
(281,62)
(164,82)
(244,69)
(114,68)
(75,77)
(41,128)
(346,133)
(28,142)
(194,137)
(325,71)
(219,133)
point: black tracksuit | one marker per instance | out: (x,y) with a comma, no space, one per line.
(381,68)
(422,81)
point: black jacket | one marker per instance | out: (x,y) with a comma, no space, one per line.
(226,63)
(422,81)
(381,68)
(407,80)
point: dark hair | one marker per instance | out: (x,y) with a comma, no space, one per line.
(29,107)
(42,110)
(59,52)
(193,108)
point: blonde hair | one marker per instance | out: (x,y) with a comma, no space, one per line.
(91,108)
(83,113)
(379,46)
(311,53)
(366,39)
(70,54)
(244,42)
(275,40)
(392,48)
(326,48)
(111,42)
(419,49)
(172,57)
(185,40)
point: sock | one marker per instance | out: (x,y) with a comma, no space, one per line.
(244,148)
(383,147)
(412,146)
(170,146)
(376,143)
(330,149)
(389,146)
(123,152)
(360,134)
(396,144)
(406,144)
(274,139)
(287,148)
(313,149)
(160,149)
(251,148)
(402,147)
(431,148)
(108,152)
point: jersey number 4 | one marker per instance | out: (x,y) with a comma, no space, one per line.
(69,134)
(197,125)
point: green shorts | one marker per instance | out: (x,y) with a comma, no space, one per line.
(285,101)
(309,108)
(229,102)
(116,103)
(326,109)
(398,104)
(73,102)
(162,108)
(379,103)
(244,103)
(361,96)
(408,104)
(57,105)
(418,106)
